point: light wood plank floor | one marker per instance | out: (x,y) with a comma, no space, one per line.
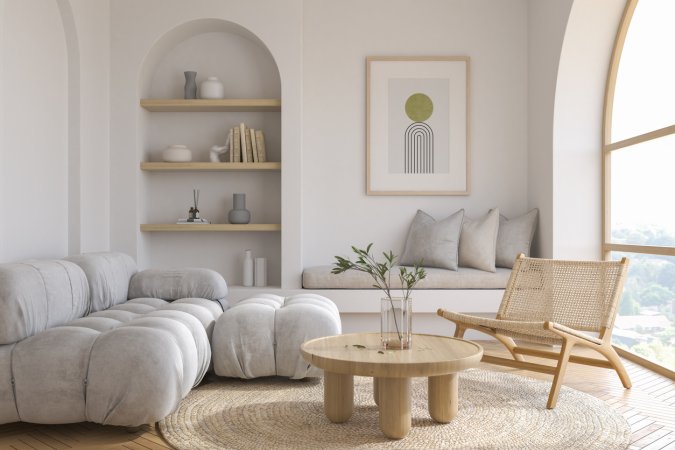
(649,407)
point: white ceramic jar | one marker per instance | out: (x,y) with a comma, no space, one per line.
(211,88)
(177,153)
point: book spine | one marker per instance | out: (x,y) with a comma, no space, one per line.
(249,149)
(260,141)
(242,133)
(237,145)
(230,143)
(254,147)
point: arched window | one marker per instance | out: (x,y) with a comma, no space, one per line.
(639,178)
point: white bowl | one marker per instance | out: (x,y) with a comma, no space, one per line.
(177,153)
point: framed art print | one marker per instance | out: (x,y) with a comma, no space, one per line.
(417,130)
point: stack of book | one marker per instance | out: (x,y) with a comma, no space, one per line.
(246,145)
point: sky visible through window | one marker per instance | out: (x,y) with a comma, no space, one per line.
(644,100)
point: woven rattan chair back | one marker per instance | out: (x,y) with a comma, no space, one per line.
(579,294)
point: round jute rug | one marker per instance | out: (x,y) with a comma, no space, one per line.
(496,411)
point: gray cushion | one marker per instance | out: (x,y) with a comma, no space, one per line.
(514,237)
(37,295)
(478,242)
(108,274)
(261,336)
(433,243)
(172,284)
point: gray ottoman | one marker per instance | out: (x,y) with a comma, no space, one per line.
(261,336)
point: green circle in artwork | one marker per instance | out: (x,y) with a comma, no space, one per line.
(419,107)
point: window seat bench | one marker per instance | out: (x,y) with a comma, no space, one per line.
(464,290)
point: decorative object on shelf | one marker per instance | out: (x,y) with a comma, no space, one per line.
(193,213)
(396,312)
(260,272)
(239,213)
(177,153)
(190,89)
(211,88)
(247,269)
(417,125)
(216,151)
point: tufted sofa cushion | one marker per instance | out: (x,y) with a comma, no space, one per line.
(173,284)
(128,365)
(261,336)
(37,295)
(108,274)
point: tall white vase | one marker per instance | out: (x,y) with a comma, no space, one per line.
(247,269)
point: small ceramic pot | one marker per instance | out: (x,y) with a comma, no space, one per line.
(177,153)
(211,88)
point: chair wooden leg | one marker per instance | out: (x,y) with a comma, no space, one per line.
(510,346)
(565,351)
(608,352)
(459,331)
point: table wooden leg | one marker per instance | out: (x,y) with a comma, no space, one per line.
(338,396)
(443,397)
(394,397)
(376,391)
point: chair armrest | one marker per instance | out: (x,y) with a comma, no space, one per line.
(563,331)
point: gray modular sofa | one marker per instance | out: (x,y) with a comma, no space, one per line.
(89,338)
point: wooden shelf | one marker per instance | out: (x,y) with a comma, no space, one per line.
(211,227)
(207,105)
(210,167)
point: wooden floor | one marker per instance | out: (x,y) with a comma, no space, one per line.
(649,408)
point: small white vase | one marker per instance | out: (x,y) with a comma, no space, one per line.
(177,153)
(211,88)
(247,272)
(261,272)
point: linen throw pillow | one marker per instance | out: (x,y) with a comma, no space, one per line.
(514,237)
(478,242)
(435,243)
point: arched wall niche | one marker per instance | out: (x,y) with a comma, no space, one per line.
(211,47)
(189,31)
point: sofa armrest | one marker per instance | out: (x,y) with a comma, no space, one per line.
(172,284)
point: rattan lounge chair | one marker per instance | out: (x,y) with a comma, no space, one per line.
(555,302)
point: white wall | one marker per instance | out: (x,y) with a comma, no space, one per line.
(54,134)
(92,22)
(577,131)
(337,38)
(34,136)
(546,22)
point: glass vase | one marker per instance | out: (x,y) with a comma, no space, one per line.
(396,323)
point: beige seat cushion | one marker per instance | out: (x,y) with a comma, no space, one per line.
(320,277)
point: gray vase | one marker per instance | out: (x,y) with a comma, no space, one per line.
(239,214)
(190,85)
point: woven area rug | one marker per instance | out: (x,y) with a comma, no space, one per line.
(496,411)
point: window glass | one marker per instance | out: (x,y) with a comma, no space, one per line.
(643,193)
(645,324)
(644,97)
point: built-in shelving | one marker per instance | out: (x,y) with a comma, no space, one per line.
(211,227)
(209,105)
(209,166)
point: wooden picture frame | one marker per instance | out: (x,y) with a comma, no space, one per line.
(417,133)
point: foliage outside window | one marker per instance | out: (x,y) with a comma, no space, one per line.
(639,187)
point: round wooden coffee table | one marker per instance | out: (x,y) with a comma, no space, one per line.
(437,357)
